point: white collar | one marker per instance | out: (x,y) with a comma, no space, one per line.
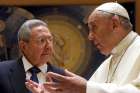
(124,43)
(27,65)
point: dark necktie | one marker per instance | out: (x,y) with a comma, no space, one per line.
(34,70)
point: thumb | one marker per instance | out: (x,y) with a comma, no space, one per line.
(68,73)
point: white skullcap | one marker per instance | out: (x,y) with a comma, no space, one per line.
(114,8)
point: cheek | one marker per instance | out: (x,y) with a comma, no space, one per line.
(36,51)
(36,54)
(103,33)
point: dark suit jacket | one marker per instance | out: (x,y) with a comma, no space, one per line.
(13,76)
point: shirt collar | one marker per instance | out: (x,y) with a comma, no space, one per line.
(27,65)
(43,68)
(124,43)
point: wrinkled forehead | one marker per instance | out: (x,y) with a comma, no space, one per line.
(94,16)
(40,29)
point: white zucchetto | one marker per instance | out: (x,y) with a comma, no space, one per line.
(113,8)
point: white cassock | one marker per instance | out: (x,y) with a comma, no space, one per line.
(125,75)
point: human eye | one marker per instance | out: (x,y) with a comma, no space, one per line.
(41,40)
(92,26)
(50,38)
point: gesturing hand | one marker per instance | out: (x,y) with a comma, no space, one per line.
(34,87)
(70,83)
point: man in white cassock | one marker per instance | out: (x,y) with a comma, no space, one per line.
(111,31)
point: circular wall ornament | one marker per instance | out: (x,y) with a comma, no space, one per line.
(71,45)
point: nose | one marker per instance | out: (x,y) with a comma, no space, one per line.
(48,47)
(48,43)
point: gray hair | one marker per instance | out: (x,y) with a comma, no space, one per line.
(124,21)
(126,24)
(25,29)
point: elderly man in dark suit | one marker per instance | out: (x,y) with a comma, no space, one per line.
(36,46)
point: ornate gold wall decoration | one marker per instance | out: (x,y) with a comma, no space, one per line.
(71,46)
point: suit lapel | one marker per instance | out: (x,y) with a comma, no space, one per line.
(17,76)
(55,69)
(49,67)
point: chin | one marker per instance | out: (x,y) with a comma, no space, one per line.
(45,60)
(105,53)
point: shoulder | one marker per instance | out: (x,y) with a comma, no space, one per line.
(5,65)
(134,48)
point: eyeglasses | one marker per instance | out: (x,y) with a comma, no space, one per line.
(42,41)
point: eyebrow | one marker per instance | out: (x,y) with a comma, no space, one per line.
(92,22)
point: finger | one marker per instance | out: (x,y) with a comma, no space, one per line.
(49,79)
(52,84)
(56,76)
(29,86)
(68,73)
(33,83)
(34,88)
(52,89)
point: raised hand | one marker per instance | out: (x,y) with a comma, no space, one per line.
(35,87)
(71,83)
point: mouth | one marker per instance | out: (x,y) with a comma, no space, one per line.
(46,54)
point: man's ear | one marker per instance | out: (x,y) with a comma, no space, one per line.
(22,45)
(116,21)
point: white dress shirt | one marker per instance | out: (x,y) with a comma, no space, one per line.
(41,75)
